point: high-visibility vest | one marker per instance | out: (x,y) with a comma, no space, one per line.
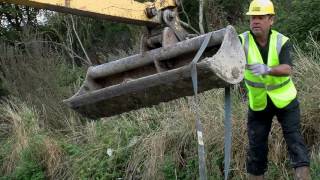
(280,89)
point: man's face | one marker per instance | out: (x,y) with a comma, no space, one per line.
(260,25)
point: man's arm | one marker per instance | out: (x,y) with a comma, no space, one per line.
(281,70)
(285,60)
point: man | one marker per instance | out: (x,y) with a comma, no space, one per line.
(271,92)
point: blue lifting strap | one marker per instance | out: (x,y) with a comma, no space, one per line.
(199,127)
(227,132)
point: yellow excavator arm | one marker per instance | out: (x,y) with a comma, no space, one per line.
(155,15)
(127,11)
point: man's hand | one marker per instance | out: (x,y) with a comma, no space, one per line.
(259,69)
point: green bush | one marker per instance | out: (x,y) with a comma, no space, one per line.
(188,170)
(29,166)
(299,19)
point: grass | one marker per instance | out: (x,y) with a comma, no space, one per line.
(30,153)
(42,139)
(315,164)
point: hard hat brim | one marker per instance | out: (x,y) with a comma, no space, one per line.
(258,13)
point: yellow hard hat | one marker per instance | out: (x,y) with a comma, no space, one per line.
(261,7)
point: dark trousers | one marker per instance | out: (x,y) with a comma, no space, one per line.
(259,125)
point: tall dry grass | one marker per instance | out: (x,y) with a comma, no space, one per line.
(308,84)
(152,143)
(27,143)
(38,73)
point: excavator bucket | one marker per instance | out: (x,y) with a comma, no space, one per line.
(159,75)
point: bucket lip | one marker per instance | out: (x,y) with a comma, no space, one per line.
(230,46)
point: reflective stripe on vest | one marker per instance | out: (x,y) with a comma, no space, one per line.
(281,90)
(267,87)
(246,43)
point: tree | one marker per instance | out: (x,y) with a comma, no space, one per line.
(299,19)
(14,18)
(217,13)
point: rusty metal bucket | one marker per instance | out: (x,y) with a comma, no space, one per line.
(134,82)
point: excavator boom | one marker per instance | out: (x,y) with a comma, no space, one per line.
(127,11)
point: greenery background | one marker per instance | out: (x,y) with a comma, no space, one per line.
(43,63)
